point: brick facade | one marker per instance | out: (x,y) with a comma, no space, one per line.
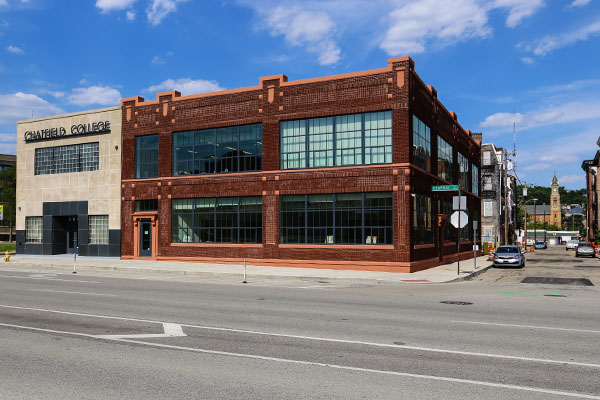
(397,88)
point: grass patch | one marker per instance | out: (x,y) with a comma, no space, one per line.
(7,246)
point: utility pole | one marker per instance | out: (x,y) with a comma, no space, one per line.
(505,187)
(525,215)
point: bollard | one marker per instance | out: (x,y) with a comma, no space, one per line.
(244,271)
(74,262)
(7,256)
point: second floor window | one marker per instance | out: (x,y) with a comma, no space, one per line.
(220,150)
(65,159)
(421,144)
(146,156)
(463,172)
(445,160)
(354,139)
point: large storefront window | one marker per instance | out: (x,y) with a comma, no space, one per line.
(421,144)
(422,219)
(347,218)
(146,156)
(64,159)
(33,229)
(445,160)
(463,172)
(217,220)
(220,150)
(98,225)
(353,139)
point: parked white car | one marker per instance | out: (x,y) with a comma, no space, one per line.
(572,245)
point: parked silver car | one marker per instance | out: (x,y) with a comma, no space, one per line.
(509,256)
(585,250)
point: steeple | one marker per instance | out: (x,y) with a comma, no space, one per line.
(554,180)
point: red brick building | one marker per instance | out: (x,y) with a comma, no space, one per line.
(329,172)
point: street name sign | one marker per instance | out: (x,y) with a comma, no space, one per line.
(444,188)
(464,219)
(1,213)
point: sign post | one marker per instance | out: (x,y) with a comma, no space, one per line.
(451,188)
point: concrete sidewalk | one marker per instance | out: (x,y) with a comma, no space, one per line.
(441,274)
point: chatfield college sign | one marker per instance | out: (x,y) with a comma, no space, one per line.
(78,129)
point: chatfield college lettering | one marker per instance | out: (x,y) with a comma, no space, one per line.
(78,129)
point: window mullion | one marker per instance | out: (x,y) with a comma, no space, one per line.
(363,151)
(238,215)
(305,218)
(307,144)
(334,136)
(333,208)
(362,219)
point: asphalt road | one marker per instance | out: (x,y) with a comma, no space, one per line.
(112,335)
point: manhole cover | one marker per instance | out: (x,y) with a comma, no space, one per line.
(558,281)
(458,303)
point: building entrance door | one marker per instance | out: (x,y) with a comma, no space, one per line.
(72,240)
(145,238)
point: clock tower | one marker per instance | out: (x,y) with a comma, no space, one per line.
(555,216)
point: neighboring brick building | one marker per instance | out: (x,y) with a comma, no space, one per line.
(592,218)
(327,172)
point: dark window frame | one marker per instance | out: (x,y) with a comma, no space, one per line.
(145,205)
(303,222)
(141,164)
(240,225)
(334,149)
(215,163)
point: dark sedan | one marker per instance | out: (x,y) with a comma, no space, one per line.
(540,244)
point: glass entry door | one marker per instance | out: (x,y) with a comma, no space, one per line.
(72,243)
(145,239)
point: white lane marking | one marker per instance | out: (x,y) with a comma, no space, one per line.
(528,326)
(64,291)
(318,364)
(171,330)
(44,278)
(384,345)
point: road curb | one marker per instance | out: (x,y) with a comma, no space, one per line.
(472,275)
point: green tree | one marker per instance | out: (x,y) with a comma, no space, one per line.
(8,191)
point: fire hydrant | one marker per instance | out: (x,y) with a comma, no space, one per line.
(7,256)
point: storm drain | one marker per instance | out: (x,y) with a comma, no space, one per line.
(457,303)
(558,281)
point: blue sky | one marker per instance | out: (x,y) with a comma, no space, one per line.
(486,58)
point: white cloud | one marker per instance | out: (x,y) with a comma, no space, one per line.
(528,60)
(18,106)
(3,3)
(501,120)
(537,167)
(312,29)
(579,3)
(576,110)
(186,86)
(101,95)
(130,15)
(57,94)
(571,179)
(415,23)
(109,5)
(156,60)
(551,43)
(159,9)
(518,9)
(14,49)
